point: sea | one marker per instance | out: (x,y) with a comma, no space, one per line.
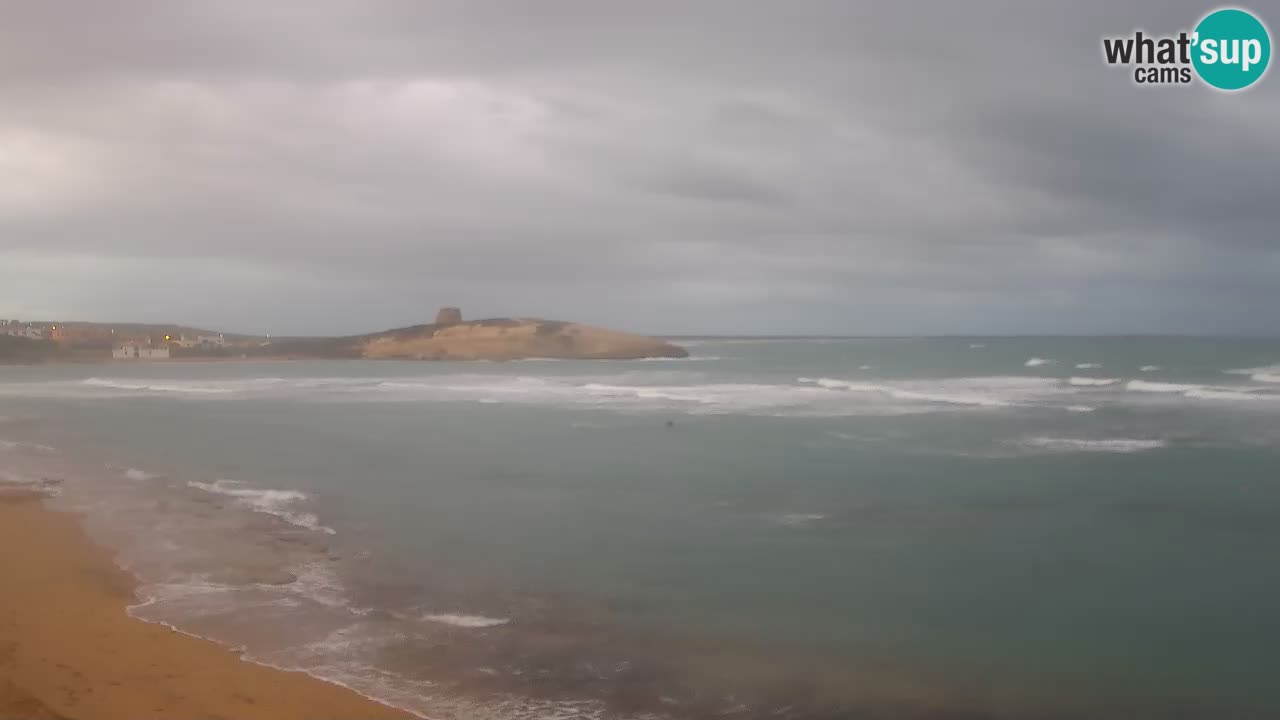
(920,528)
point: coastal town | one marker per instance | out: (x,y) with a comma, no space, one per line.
(126,342)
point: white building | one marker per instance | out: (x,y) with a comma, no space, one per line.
(211,340)
(141,352)
(17,329)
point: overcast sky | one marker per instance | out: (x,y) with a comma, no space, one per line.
(327,166)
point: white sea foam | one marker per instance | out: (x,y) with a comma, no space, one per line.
(691,358)
(1149,368)
(976,346)
(1088,366)
(25,445)
(636,390)
(1109,445)
(11,482)
(1230,395)
(271,502)
(799,519)
(465,621)
(136,474)
(630,391)
(1092,382)
(10,478)
(156,386)
(1269,374)
(1037,362)
(1160,387)
(980,392)
(1205,392)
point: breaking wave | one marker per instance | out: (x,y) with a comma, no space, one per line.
(1109,445)
(651,390)
(186,387)
(798,519)
(1204,392)
(1160,387)
(1092,382)
(1269,374)
(465,621)
(270,502)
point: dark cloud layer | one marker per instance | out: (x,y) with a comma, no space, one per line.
(900,168)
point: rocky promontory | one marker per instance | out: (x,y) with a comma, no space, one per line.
(511,339)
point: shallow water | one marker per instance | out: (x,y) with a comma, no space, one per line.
(1053,527)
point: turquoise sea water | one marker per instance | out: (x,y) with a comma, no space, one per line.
(951,527)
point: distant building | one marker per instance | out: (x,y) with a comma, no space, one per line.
(133,351)
(449,316)
(211,341)
(17,329)
(82,335)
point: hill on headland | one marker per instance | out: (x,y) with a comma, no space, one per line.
(513,339)
(489,339)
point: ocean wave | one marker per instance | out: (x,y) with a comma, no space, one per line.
(26,445)
(464,621)
(691,358)
(995,391)
(268,501)
(798,519)
(1109,445)
(644,391)
(1149,368)
(1092,382)
(1205,393)
(139,475)
(159,387)
(1037,362)
(1160,387)
(1088,366)
(1269,374)
(15,482)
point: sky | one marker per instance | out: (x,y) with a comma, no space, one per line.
(853,167)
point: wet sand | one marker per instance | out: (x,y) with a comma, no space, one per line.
(69,650)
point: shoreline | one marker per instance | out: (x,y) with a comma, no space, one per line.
(69,648)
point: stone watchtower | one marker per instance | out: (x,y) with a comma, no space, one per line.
(449,316)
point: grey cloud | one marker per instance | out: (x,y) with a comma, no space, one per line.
(671,167)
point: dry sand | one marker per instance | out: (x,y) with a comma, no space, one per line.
(69,650)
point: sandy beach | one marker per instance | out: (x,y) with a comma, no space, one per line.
(69,650)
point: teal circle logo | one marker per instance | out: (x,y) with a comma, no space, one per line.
(1232,49)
